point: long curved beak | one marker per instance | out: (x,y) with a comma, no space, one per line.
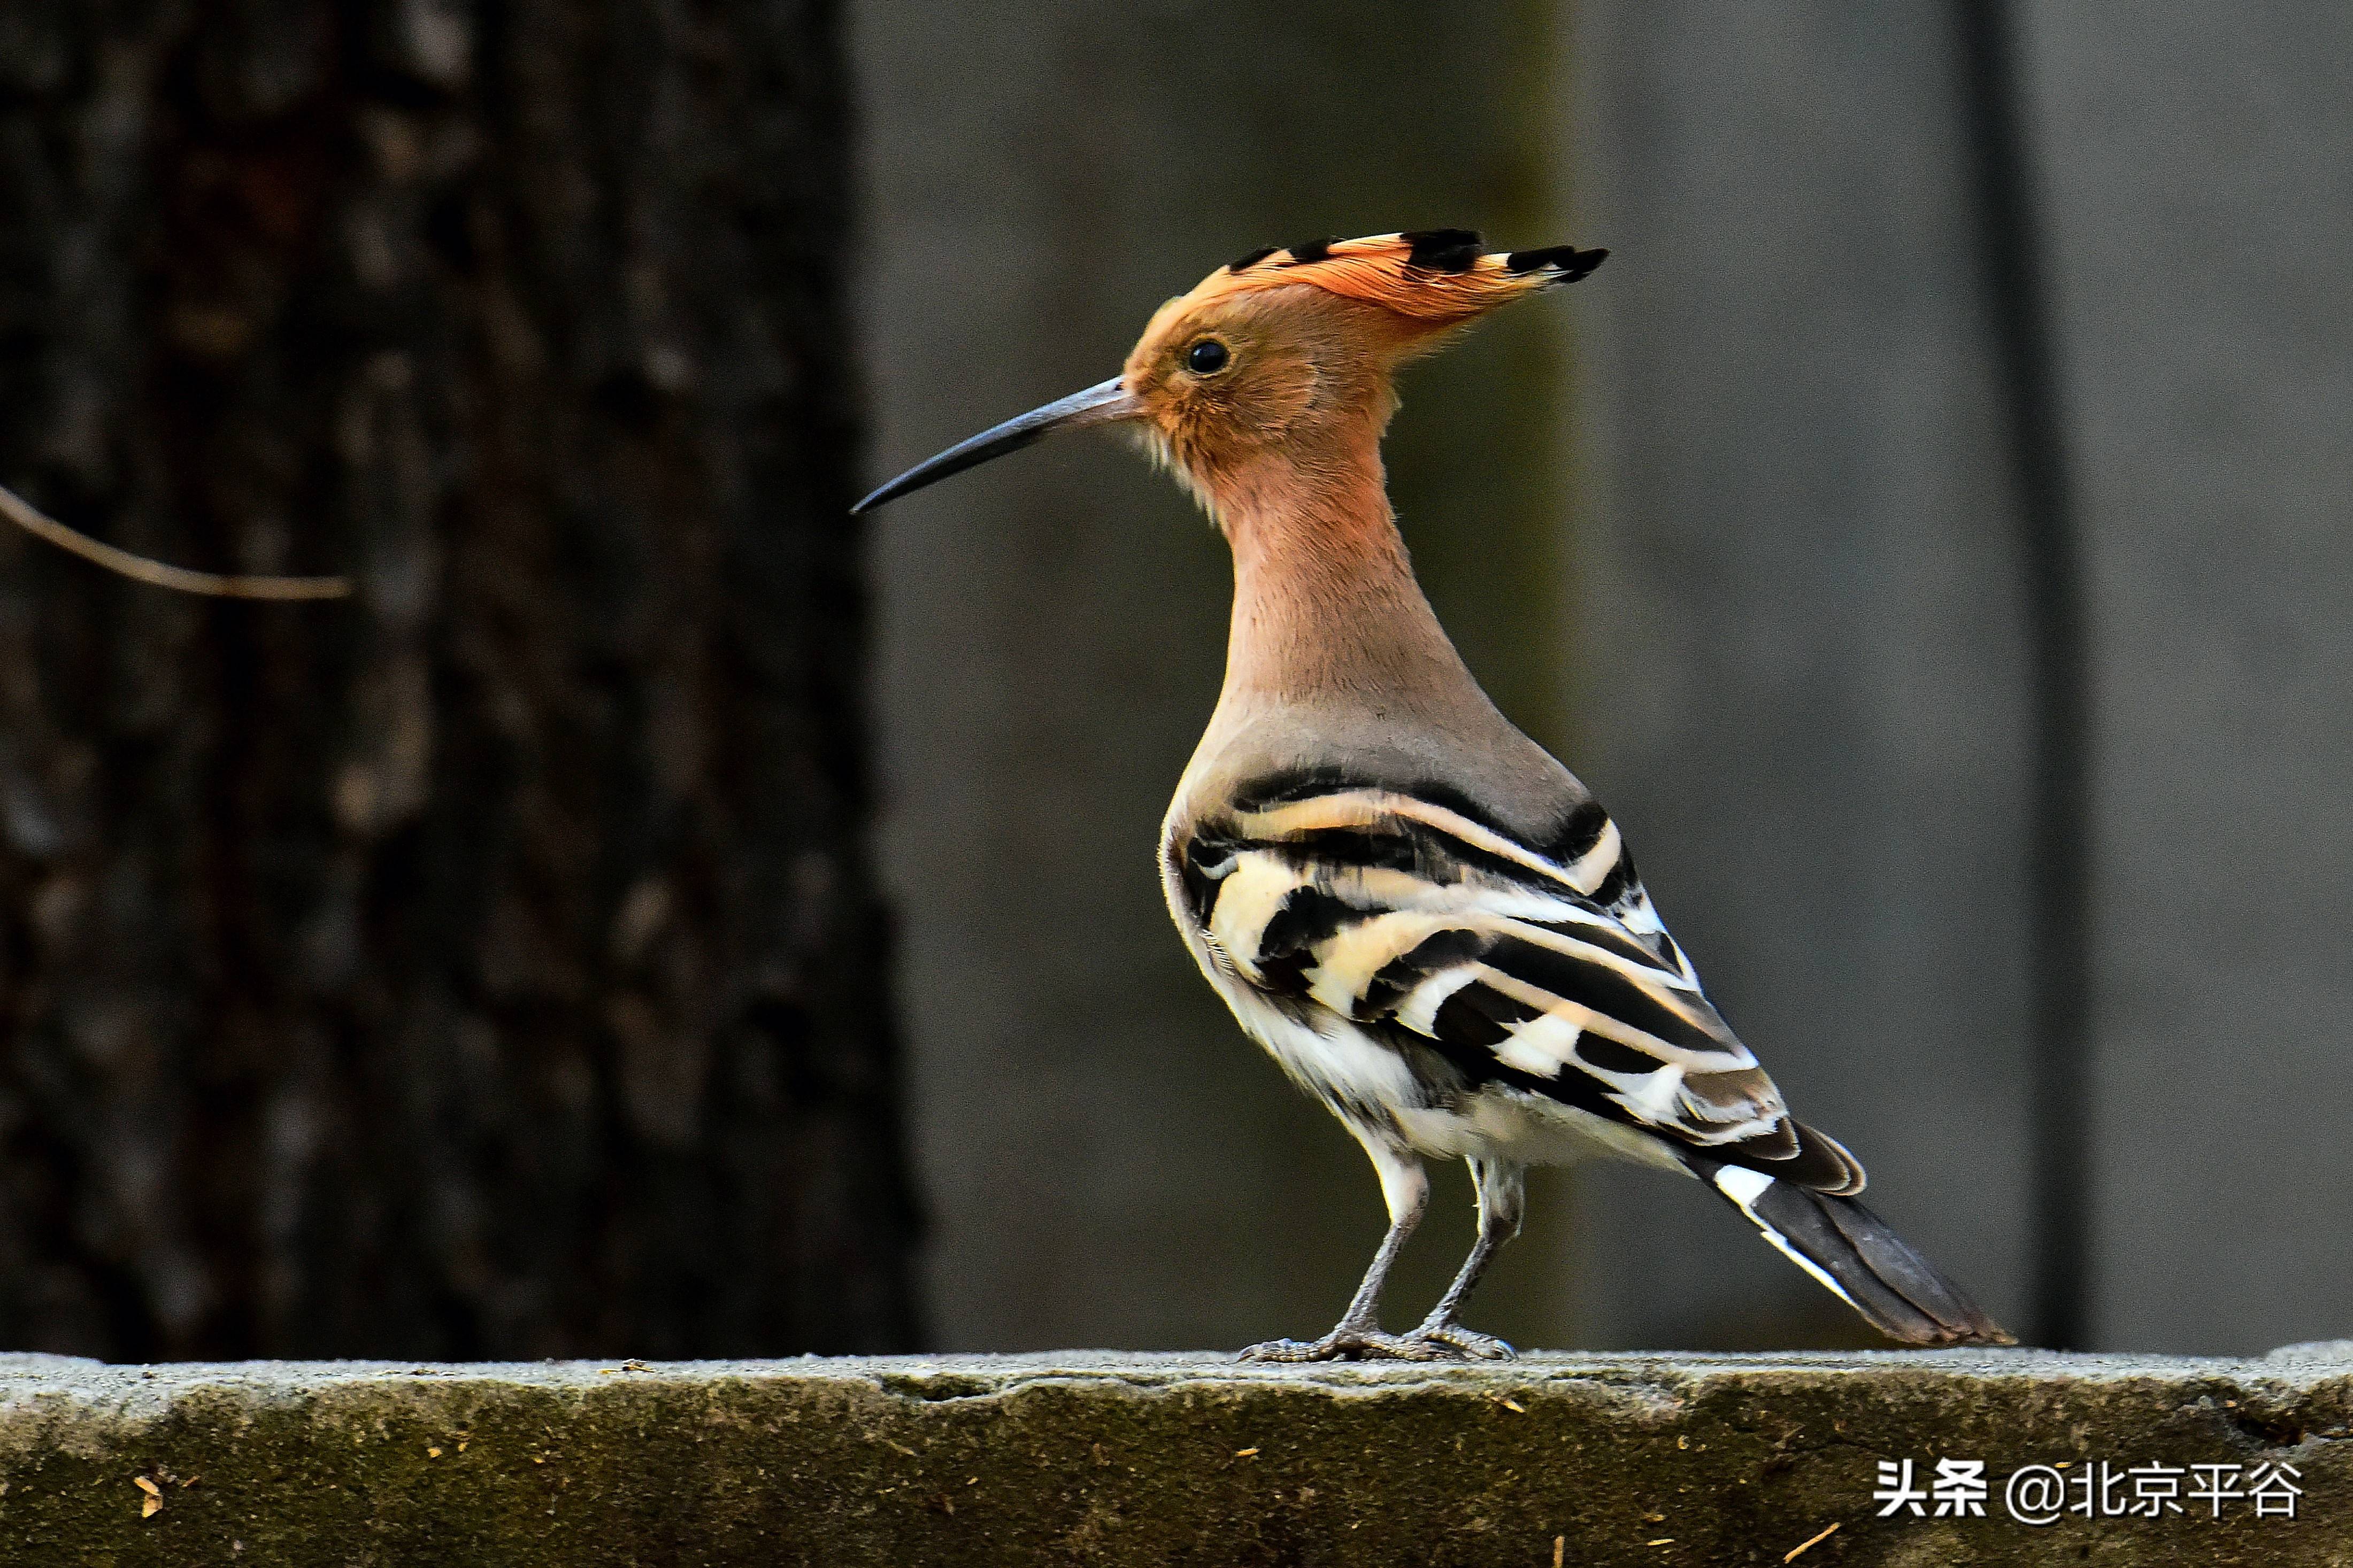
(1104,404)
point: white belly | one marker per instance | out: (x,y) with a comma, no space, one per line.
(1340,1064)
(1331,1059)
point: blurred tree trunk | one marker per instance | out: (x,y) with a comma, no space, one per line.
(490,965)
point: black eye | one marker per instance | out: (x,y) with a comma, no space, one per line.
(1207,357)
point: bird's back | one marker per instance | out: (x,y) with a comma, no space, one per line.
(1460,751)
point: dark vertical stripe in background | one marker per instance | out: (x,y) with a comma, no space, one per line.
(2059,1116)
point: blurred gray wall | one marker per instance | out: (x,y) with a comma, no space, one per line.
(1801,615)
(1734,525)
(2198,168)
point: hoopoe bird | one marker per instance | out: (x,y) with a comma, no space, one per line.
(1427,921)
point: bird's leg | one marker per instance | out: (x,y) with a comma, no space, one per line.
(1357,1335)
(1503,1191)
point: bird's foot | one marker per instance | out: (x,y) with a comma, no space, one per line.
(1442,1341)
(1349,1344)
(1467,1344)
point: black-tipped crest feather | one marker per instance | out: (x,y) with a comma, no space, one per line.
(1442,250)
(1571,262)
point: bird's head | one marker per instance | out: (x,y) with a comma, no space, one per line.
(1278,349)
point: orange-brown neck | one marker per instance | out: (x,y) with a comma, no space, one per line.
(1325,605)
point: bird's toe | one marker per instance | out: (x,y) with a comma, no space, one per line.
(1454,1340)
(1285,1351)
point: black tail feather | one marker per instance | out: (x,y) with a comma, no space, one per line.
(1858,1257)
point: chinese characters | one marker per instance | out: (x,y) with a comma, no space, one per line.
(2044,1494)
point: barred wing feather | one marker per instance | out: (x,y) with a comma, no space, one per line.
(1544,970)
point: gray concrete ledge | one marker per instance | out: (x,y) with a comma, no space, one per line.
(1089,1457)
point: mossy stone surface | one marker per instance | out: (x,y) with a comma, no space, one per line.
(1087,1457)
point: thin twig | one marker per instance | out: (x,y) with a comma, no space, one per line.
(1798,1550)
(138,567)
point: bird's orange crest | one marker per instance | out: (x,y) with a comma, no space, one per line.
(1439,276)
(1385,298)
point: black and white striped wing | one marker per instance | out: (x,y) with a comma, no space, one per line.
(1544,970)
